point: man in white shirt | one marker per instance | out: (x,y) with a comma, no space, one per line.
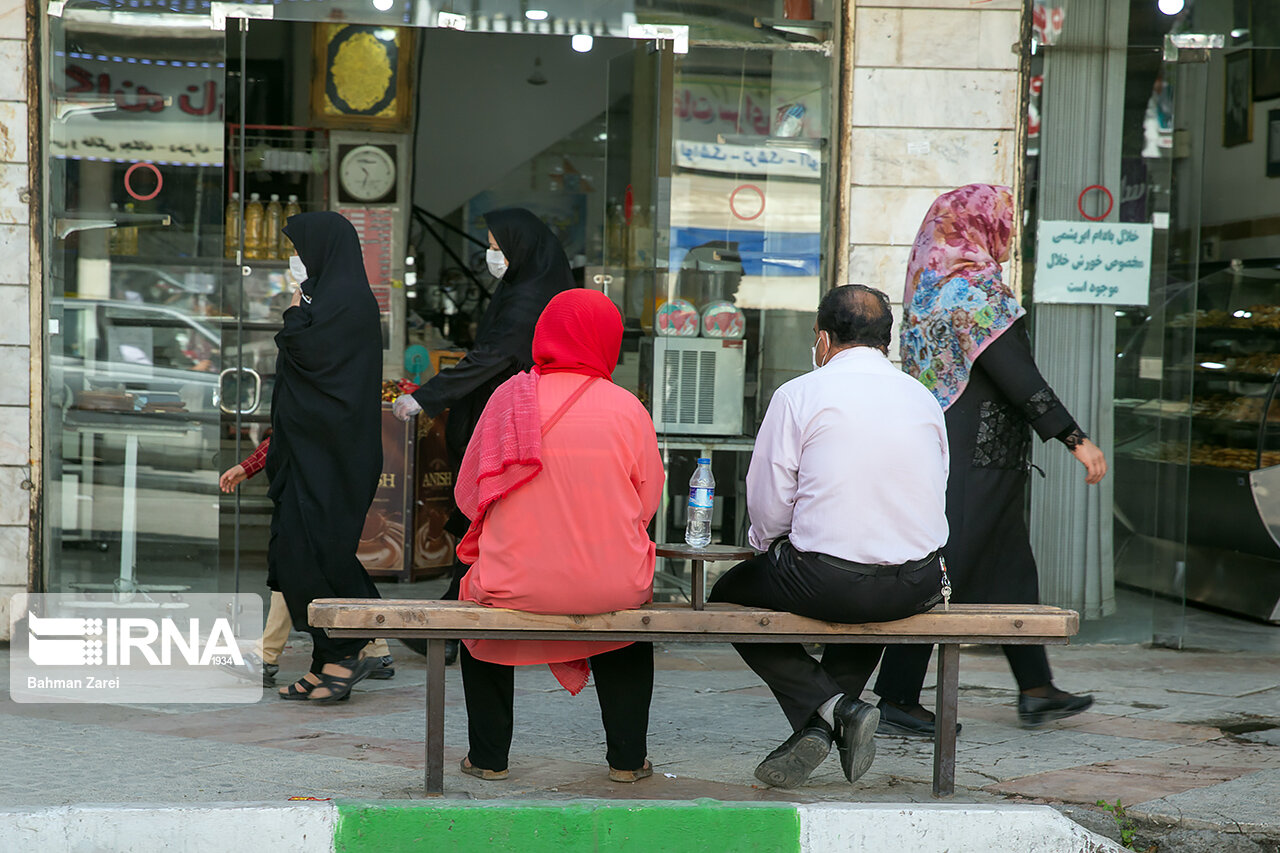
(847,497)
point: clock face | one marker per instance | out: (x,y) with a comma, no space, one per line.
(367,173)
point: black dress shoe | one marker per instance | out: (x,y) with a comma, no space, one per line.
(1034,712)
(789,765)
(856,723)
(895,721)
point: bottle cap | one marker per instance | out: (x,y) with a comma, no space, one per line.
(253,196)
(235,196)
(293,197)
(702,460)
(275,196)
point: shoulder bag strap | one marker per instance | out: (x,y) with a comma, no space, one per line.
(564,407)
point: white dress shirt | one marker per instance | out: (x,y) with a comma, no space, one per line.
(851,461)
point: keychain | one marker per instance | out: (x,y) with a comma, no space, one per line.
(946,583)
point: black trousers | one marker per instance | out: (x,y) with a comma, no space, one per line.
(806,584)
(905,667)
(624,687)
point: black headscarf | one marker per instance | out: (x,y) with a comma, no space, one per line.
(326,444)
(537,270)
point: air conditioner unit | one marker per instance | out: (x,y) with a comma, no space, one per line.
(695,385)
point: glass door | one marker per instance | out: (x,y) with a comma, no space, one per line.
(138,293)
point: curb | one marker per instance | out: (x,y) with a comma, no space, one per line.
(345,826)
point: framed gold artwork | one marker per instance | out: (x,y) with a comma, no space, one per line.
(360,78)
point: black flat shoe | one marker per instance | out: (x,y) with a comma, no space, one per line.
(856,723)
(789,765)
(1034,712)
(895,721)
(420,646)
(385,669)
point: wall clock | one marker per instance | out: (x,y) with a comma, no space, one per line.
(367,173)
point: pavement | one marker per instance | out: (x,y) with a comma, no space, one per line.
(1187,742)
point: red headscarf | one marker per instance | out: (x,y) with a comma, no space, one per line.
(580,331)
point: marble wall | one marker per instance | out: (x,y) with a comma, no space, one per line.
(935,106)
(15,324)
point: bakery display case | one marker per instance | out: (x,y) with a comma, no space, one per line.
(1196,413)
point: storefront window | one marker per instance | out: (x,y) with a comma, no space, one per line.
(1183,156)
(686,173)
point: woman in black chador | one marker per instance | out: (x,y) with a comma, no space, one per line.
(531,267)
(963,336)
(326,443)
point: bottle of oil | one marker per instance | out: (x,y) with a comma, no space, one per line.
(129,234)
(291,209)
(271,236)
(231,232)
(113,236)
(253,227)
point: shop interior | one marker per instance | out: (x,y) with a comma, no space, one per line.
(690,187)
(1196,369)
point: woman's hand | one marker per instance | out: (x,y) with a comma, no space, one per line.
(231,478)
(405,407)
(1090,456)
(297,298)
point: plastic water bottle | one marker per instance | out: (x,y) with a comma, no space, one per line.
(702,489)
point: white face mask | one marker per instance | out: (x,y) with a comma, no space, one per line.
(813,350)
(298,268)
(497,263)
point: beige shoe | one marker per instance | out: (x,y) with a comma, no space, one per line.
(488,775)
(632,775)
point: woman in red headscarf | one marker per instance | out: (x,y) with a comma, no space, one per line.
(561,477)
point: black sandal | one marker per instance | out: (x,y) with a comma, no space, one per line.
(339,686)
(295,692)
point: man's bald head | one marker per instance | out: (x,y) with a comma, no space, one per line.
(856,316)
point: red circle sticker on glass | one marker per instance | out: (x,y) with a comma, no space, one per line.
(128,181)
(1111,202)
(733,202)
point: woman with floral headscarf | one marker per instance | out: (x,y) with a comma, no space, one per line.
(963,336)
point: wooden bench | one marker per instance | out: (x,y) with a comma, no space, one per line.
(437,621)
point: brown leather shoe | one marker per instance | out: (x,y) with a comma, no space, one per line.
(632,775)
(480,773)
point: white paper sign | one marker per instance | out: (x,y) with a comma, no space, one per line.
(1096,263)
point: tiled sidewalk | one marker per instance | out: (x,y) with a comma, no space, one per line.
(1187,738)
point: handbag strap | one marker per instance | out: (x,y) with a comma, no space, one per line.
(564,407)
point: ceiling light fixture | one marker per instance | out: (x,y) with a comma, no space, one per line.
(582,43)
(1171,7)
(537,14)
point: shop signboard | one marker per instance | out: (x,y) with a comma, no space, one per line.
(132,108)
(1093,263)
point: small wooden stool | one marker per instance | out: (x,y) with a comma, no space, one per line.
(699,557)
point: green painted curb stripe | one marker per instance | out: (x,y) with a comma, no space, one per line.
(389,826)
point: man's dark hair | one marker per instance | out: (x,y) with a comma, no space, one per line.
(856,315)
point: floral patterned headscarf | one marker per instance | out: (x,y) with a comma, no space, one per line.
(956,302)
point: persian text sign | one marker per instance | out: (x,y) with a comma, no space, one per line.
(135,647)
(1097,263)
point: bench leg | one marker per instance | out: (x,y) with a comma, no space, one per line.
(944,741)
(435,718)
